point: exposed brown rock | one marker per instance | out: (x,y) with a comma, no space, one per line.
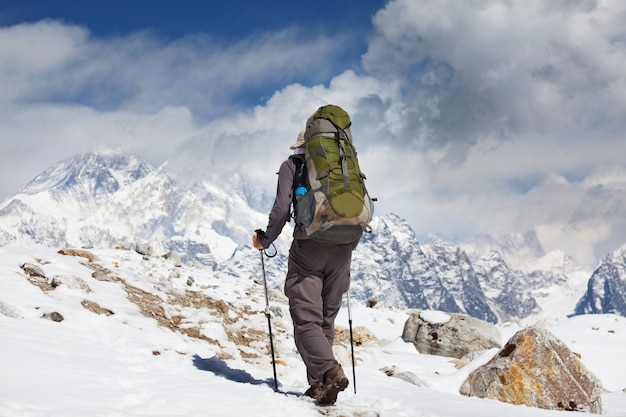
(96,308)
(361,336)
(536,369)
(78,252)
(36,276)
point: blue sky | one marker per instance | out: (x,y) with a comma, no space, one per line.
(478,117)
(219,23)
(230,19)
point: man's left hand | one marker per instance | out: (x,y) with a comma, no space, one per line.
(256,240)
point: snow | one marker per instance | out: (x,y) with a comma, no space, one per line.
(126,364)
(435,317)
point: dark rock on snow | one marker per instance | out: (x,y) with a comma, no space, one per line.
(459,337)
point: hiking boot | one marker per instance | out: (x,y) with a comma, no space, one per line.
(335,381)
(314,391)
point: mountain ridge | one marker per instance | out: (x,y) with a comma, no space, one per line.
(115,198)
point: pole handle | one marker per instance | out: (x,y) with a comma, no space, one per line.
(261,233)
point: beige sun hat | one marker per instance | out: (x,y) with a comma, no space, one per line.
(299,142)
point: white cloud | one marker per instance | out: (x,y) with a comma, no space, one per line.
(36,136)
(255,143)
(33,48)
(503,96)
(49,61)
(495,68)
(65,91)
(469,117)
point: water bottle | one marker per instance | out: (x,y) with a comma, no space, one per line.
(300,190)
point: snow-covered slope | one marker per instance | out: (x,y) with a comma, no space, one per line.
(152,336)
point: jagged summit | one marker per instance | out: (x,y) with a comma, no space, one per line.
(106,199)
(606,289)
(89,176)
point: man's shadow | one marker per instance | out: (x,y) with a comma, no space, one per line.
(221,368)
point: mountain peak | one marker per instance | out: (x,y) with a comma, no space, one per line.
(606,289)
(89,176)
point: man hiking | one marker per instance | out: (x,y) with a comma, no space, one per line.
(318,275)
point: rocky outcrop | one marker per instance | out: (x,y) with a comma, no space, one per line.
(536,369)
(36,276)
(361,336)
(77,252)
(457,336)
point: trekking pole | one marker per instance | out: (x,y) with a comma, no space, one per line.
(351,343)
(269,321)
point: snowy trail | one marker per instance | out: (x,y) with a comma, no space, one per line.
(126,365)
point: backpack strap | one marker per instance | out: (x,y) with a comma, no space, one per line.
(299,176)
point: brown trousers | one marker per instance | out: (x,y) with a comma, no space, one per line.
(317,277)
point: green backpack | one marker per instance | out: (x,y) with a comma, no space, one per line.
(336,207)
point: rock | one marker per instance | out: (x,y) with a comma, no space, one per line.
(33,270)
(96,308)
(174,257)
(361,336)
(536,369)
(406,376)
(342,349)
(71,281)
(36,276)
(457,337)
(77,252)
(143,248)
(101,276)
(54,316)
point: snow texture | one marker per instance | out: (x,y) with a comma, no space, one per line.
(120,362)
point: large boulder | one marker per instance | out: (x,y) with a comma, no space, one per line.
(450,334)
(536,369)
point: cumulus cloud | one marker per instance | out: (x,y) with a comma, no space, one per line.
(49,61)
(503,97)
(492,70)
(255,142)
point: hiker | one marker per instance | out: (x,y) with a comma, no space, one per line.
(318,275)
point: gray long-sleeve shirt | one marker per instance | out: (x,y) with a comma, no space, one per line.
(281,210)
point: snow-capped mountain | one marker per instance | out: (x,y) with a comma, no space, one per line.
(606,289)
(503,286)
(47,209)
(88,179)
(117,199)
(457,273)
